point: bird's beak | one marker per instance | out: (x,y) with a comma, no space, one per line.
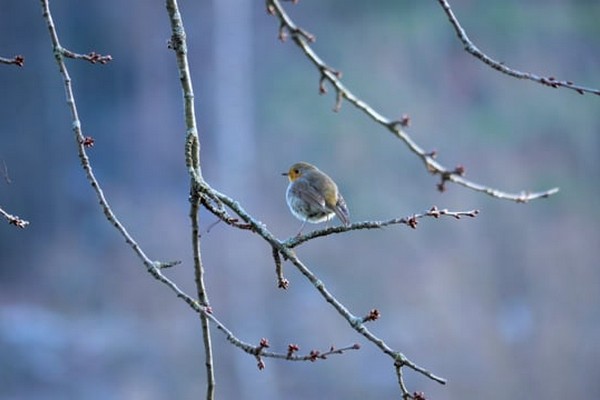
(284,173)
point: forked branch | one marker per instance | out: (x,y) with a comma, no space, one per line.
(397,127)
(284,248)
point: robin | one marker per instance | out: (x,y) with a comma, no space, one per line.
(313,197)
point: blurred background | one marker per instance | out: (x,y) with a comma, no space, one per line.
(506,305)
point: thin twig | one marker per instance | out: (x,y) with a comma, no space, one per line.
(14,219)
(474,51)
(202,296)
(410,221)
(401,384)
(80,139)
(455,175)
(282,282)
(19,60)
(92,57)
(313,355)
(356,322)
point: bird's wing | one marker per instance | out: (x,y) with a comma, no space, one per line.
(308,193)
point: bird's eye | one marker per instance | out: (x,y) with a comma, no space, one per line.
(296,171)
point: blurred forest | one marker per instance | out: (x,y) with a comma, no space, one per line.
(505,306)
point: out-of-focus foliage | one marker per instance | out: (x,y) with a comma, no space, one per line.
(503,306)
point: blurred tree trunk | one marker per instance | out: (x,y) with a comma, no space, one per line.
(236,173)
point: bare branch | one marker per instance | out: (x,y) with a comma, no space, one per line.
(312,356)
(474,51)
(92,57)
(283,248)
(333,77)
(209,201)
(282,282)
(401,384)
(18,60)
(192,156)
(202,296)
(153,267)
(83,142)
(410,221)
(14,219)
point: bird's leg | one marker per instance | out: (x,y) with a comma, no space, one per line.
(302,227)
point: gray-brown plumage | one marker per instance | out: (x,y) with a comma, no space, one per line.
(313,196)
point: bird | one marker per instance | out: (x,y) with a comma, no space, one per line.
(313,196)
